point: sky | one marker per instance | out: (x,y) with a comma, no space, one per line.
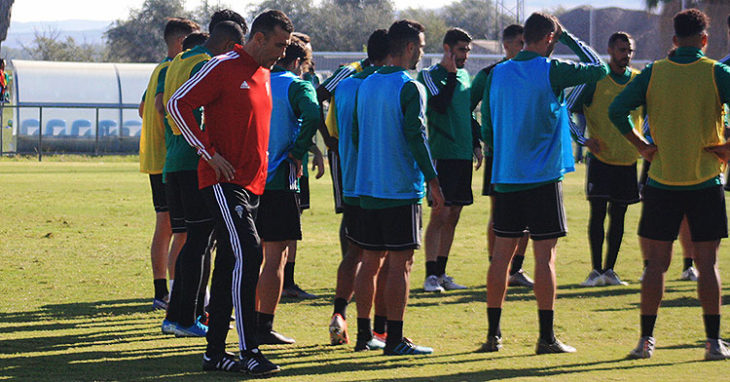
(56,10)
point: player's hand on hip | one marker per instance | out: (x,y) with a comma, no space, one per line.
(721,151)
(593,144)
(298,164)
(478,157)
(222,167)
(647,150)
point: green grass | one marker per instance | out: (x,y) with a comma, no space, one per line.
(75,288)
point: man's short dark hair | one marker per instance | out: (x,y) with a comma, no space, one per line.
(296,49)
(402,32)
(302,36)
(267,21)
(378,45)
(690,22)
(178,27)
(539,25)
(454,35)
(194,39)
(227,31)
(619,36)
(227,15)
(512,31)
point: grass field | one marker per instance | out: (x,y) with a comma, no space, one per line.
(75,289)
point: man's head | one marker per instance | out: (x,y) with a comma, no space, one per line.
(541,33)
(176,30)
(407,42)
(224,37)
(296,56)
(690,28)
(307,41)
(227,15)
(194,39)
(513,40)
(378,47)
(269,37)
(457,42)
(621,49)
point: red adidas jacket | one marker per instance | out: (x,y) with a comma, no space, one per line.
(235,93)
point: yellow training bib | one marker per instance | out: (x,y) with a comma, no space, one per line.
(152,138)
(684,108)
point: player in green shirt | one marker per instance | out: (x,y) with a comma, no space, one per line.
(684,178)
(278,221)
(453,142)
(512,42)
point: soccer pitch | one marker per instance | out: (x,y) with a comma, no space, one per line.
(76,288)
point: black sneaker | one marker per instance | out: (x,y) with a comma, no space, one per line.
(254,363)
(407,347)
(494,343)
(371,344)
(294,291)
(274,338)
(223,362)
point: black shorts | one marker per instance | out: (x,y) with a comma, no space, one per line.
(727,181)
(391,229)
(487,186)
(662,212)
(352,217)
(334,161)
(185,200)
(159,200)
(537,210)
(455,180)
(303,194)
(278,217)
(616,184)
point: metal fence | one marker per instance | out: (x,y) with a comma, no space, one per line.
(97,136)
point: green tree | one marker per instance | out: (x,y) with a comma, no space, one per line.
(48,45)
(478,17)
(139,38)
(203,13)
(300,12)
(433,21)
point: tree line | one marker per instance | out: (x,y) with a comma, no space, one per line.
(334,25)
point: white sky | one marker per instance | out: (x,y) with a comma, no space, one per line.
(56,10)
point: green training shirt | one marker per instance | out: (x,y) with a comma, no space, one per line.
(634,95)
(303,101)
(449,134)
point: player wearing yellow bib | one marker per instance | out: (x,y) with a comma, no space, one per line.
(611,175)
(152,161)
(684,178)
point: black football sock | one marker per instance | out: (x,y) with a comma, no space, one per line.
(647,325)
(595,231)
(289,275)
(546,325)
(379,324)
(431,268)
(687,263)
(712,326)
(441,265)
(395,334)
(340,307)
(364,333)
(516,265)
(160,288)
(265,322)
(616,213)
(494,316)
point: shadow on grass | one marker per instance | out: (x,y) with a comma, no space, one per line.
(550,371)
(79,310)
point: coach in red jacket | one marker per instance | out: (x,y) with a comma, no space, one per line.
(235,91)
